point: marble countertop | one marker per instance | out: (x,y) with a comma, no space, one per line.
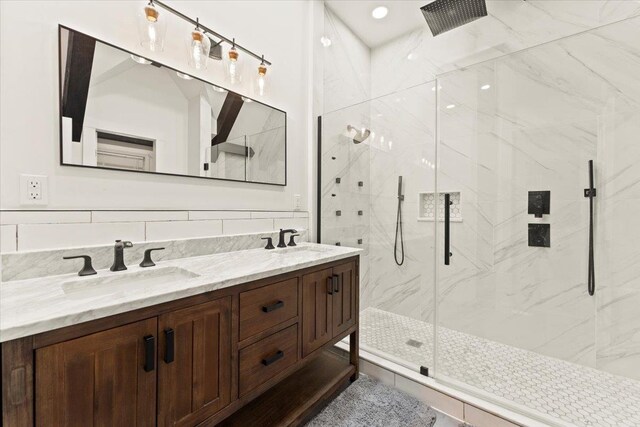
(43,304)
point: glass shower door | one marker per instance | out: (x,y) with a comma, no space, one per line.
(516,321)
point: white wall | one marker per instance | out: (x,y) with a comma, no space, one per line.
(29,103)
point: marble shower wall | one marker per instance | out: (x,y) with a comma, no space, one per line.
(546,112)
(511,26)
(345,88)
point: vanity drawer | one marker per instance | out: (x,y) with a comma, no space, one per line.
(270,305)
(263,360)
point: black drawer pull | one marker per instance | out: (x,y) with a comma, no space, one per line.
(149,353)
(269,360)
(330,285)
(270,308)
(336,283)
(169,352)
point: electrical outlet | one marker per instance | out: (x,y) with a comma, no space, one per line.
(34,190)
(297,202)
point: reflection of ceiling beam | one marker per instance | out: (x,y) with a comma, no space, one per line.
(80,51)
(227,117)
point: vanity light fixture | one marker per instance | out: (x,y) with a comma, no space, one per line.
(261,79)
(140,60)
(198,48)
(379,12)
(152,28)
(234,70)
(184,76)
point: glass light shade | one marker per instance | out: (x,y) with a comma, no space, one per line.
(152,27)
(199,46)
(233,66)
(260,82)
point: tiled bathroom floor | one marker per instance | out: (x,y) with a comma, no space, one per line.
(573,393)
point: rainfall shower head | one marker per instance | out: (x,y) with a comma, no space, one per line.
(361,134)
(445,15)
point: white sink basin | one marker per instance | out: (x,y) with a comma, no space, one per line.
(123,281)
(295,249)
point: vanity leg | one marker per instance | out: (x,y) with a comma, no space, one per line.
(354,353)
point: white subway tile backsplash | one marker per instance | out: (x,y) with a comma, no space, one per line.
(243,226)
(297,223)
(132,216)
(49,236)
(193,215)
(7,238)
(271,214)
(183,229)
(44,217)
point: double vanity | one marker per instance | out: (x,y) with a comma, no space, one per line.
(238,338)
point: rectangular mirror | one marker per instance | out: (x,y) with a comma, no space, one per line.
(121,111)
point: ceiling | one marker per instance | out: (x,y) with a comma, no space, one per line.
(404,16)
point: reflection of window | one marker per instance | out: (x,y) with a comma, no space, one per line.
(125,152)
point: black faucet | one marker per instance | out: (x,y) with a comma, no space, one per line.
(118,255)
(281,243)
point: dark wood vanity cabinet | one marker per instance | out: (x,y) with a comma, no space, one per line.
(102,379)
(194,363)
(252,354)
(329,301)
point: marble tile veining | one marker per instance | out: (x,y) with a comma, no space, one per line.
(37,305)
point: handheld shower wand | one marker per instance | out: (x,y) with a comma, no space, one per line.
(399,227)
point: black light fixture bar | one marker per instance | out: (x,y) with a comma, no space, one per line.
(209,30)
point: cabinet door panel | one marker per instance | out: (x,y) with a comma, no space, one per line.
(316,310)
(197,383)
(97,380)
(344,299)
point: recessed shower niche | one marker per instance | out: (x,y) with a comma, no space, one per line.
(427,206)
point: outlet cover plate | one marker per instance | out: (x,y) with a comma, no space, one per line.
(34,190)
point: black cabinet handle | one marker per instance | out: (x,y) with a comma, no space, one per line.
(336,283)
(330,285)
(271,359)
(447,226)
(270,308)
(149,353)
(169,337)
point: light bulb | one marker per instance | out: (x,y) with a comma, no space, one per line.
(199,47)
(261,78)
(233,65)
(152,28)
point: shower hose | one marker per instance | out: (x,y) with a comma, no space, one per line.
(399,234)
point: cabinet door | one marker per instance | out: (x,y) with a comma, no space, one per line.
(317,292)
(344,297)
(104,379)
(194,363)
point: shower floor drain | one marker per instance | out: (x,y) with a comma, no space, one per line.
(414,343)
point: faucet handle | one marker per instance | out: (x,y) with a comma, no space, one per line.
(147,261)
(87,268)
(269,242)
(292,241)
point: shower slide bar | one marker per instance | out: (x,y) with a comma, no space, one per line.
(591,194)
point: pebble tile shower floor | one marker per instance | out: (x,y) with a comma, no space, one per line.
(575,394)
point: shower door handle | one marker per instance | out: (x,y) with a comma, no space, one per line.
(447,229)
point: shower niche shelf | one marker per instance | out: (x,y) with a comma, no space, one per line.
(427,206)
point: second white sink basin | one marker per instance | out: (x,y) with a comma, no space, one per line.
(123,281)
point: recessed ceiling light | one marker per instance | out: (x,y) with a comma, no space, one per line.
(140,60)
(184,76)
(379,12)
(326,41)
(485,87)
(450,106)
